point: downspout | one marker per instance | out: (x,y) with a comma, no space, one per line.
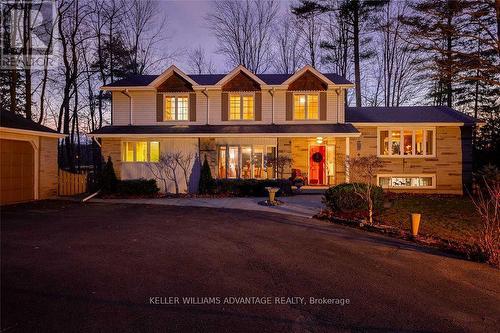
(208,112)
(337,91)
(271,92)
(125,92)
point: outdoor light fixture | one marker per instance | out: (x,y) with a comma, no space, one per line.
(319,139)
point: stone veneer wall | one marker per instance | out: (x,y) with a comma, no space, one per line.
(48,167)
(447,165)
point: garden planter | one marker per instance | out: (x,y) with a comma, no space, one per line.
(415,223)
(272,193)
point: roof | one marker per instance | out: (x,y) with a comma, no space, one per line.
(11,120)
(228,129)
(212,79)
(407,114)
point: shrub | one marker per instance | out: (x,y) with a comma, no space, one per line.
(140,187)
(343,197)
(108,178)
(207,183)
(253,187)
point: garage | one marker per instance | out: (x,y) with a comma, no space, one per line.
(28,160)
(17,171)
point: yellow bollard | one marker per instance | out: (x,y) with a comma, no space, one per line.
(415,223)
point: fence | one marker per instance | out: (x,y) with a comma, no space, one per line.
(72,183)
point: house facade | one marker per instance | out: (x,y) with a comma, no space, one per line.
(239,121)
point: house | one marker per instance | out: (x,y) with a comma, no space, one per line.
(238,120)
(28,159)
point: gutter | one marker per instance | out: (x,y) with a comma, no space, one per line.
(204,92)
(125,92)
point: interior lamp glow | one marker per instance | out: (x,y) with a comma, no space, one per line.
(319,139)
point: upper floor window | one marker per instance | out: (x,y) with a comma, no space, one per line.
(406,142)
(176,108)
(141,151)
(241,107)
(305,107)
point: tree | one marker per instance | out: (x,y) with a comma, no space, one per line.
(108,177)
(279,164)
(207,182)
(199,63)
(289,53)
(310,27)
(185,162)
(365,169)
(357,14)
(244,30)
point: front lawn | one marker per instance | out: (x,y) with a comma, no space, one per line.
(448,217)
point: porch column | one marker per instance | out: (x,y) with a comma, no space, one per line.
(347,153)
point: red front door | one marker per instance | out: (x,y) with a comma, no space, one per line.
(317,157)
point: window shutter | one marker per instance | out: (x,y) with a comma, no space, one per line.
(159,107)
(192,107)
(224,106)
(289,106)
(322,105)
(258,106)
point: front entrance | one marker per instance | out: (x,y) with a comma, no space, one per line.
(317,159)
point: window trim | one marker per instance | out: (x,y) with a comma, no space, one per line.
(401,152)
(385,175)
(148,144)
(176,96)
(306,112)
(241,95)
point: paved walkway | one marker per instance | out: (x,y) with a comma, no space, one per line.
(297,205)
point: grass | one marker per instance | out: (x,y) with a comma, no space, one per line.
(447,217)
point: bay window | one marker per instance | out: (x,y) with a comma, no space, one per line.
(406,142)
(407,181)
(241,107)
(245,161)
(176,108)
(305,107)
(141,151)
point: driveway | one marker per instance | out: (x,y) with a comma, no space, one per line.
(74,267)
(306,205)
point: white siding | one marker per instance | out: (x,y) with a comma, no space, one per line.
(120,108)
(132,170)
(143,107)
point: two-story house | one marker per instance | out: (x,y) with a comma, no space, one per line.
(239,120)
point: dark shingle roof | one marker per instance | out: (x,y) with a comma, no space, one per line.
(211,79)
(11,120)
(407,114)
(227,129)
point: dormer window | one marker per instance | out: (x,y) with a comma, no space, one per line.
(305,107)
(176,108)
(241,107)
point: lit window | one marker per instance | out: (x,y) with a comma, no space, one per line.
(176,108)
(154,151)
(140,150)
(405,181)
(246,161)
(241,107)
(406,142)
(305,107)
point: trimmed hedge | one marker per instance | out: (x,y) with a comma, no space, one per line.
(343,198)
(252,187)
(141,187)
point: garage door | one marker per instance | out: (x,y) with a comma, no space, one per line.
(17,171)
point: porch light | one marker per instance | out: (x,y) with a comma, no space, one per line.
(319,139)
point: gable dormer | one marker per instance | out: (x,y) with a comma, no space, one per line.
(175,96)
(241,97)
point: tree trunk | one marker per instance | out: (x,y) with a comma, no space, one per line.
(357,70)
(449,59)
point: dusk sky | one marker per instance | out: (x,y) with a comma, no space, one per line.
(188,29)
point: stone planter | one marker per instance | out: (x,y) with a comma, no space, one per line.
(272,193)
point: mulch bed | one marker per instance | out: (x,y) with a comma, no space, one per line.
(358,221)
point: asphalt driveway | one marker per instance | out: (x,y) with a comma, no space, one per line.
(76,267)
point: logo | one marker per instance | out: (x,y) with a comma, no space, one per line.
(28,34)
